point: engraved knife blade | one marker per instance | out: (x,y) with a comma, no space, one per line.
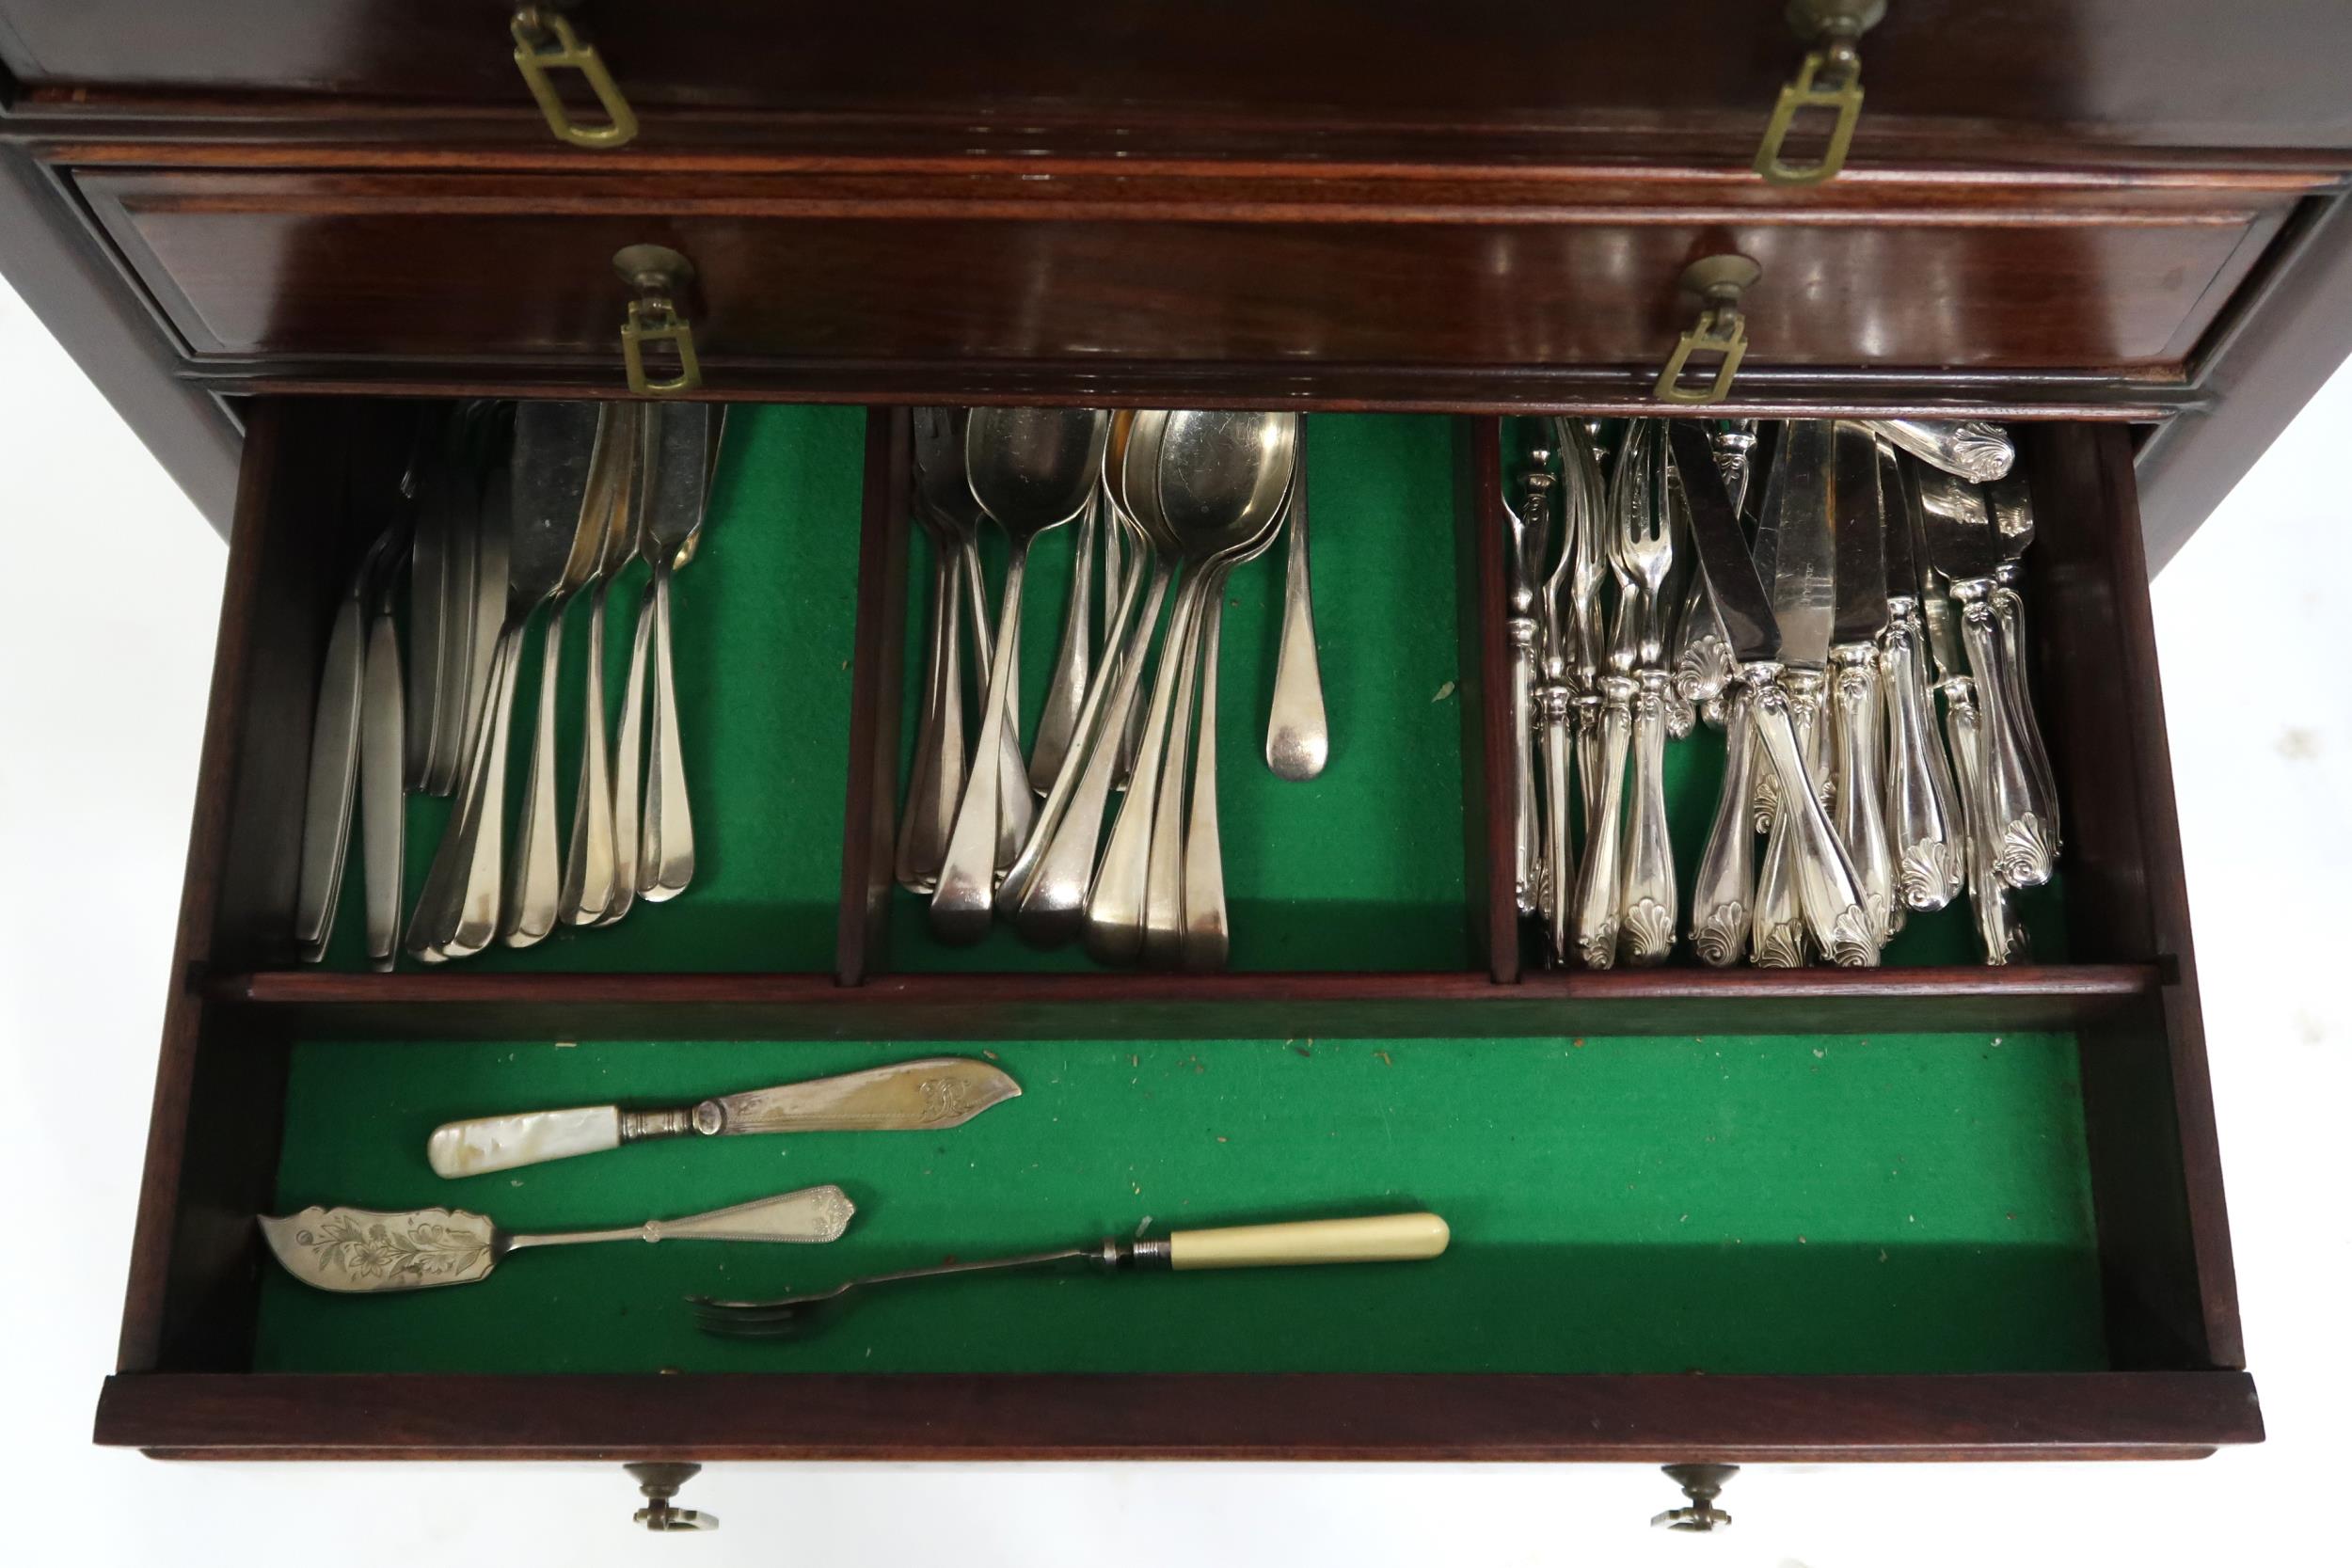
(925,1094)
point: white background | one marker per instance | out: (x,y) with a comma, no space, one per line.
(104,653)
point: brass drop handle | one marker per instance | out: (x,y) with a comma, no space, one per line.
(1830,78)
(1721,329)
(545,41)
(658,278)
(1702,1484)
(659,1483)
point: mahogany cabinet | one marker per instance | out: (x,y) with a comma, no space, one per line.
(2119,227)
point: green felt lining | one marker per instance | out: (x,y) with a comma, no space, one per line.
(1919,1203)
(1360,869)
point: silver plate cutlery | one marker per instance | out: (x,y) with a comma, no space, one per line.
(1882,572)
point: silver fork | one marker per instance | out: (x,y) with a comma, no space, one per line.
(1642,547)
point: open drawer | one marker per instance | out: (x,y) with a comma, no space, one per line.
(1932,1209)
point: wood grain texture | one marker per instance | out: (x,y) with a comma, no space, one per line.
(2155,1155)
(1027,266)
(1490,806)
(1221,1416)
(1942,75)
(1245,1007)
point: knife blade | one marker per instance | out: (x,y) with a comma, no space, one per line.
(927,1094)
(1857,699)
(1832,899)
(1803,582)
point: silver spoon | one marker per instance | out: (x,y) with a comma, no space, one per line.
(1297,735)
(590,871)
(942,493)
(1031,470)
(677,501)
(1065,692)
(1208,480)
(936,782)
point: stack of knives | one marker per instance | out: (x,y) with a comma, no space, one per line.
(1880,569)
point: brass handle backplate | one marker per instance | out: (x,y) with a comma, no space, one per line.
(658,278)
(1721,329)
(661,1483)
(546,43)
(1830,78)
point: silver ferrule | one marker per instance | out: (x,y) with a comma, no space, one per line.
(637,1126)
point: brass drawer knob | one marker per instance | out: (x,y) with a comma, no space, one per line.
(1721,329)
(661,1483)
(546,43)
(658,278)
(1830,78)
(1702,1484)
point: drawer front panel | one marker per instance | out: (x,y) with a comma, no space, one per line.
(327,268)
(1944,72)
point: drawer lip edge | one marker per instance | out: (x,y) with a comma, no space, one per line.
(1278,1417)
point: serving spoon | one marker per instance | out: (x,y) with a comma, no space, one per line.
(1031,470)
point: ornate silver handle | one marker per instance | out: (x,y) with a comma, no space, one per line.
(2019,824)
(1521,632)
(1723,896)
(1924,825)
(1827,887)
(1998,929)
(1858,784)
(1598,883)
(1557,888)
(2008,608)
(1648,912)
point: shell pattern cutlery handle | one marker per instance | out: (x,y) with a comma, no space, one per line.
(1557,884)
(1520,629)
(1828,890)
(1858,787)
(383,799)
(665,840)
(1723,897)
(1924,827)
(1999,930)
(2009,609)
(2020,824)
(334,764)
(1599,883)
(1649,911)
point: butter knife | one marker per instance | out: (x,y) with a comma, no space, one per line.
(931,1092)
(365,1251)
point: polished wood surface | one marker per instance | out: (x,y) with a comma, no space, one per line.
(1019,265)
(1944,74)
(1196,1416)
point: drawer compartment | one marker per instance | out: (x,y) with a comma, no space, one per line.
(867,279)
(1942,73)
(1932,1209)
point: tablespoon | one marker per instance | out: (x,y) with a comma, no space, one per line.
(1297,736)
(535,882)
(1052,878)
(1208,480)
(589,873)
(1065,692)
(937,781)
(1031,470)
(538,510)
(1208,936)
(943,492)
